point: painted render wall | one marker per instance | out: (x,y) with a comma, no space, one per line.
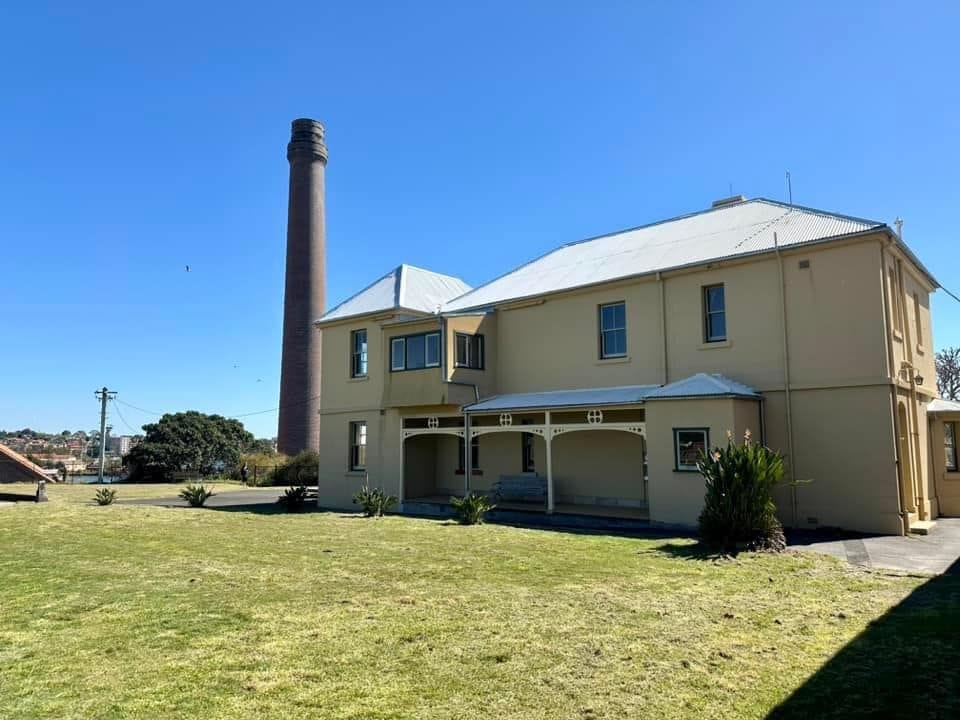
(947,484)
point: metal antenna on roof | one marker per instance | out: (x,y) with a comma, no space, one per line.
(789,188)
(730,183)
(898,223)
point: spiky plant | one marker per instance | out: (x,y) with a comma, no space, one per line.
(196,495)
(105,496)
(738,509)
(472,508)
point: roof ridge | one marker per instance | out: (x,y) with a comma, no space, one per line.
(822,213)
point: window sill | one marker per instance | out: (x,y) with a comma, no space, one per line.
(898,336)
(687,471)
(475,471)
(359,378)
(613,360)
(921,350)
(715,345)
(953,475)
(355,473)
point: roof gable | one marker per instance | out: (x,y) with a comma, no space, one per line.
(728,231)
(405,287)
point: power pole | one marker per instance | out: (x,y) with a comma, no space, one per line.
(103,395)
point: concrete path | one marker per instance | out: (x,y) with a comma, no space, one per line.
(229,498)
(936,553)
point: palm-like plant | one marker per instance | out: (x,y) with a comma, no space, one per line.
(196,495)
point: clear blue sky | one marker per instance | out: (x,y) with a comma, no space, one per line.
(464,137)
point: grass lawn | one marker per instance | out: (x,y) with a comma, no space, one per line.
(141,612)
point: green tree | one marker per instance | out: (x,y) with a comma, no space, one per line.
(261,446)
(187,442)
(948,373)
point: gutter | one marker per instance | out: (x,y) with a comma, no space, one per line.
(786,384)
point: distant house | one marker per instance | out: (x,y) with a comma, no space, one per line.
(589,380)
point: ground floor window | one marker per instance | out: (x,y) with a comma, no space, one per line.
(688,444)
(358,446)
(474,454)
(527,461)
(950,445)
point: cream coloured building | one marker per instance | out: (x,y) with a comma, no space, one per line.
(585,382)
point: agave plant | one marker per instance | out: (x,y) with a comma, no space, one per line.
(196,495)
(294,498)
(105,496)
(472,508)
(375,502)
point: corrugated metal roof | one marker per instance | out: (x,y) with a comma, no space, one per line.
(622,395)
(703,385)
(405,287)
(943,406)
(725,232)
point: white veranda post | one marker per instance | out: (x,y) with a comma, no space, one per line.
(547,436)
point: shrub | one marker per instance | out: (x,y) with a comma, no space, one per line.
(472,508)
(374,503)
(260,468)
(738,508)
(105,496)
(300,470)
(294,498)
(196,495)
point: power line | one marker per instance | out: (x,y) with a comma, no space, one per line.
(241,415)
(123,419)
(134,407)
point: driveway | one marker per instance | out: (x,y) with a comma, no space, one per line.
(935,553)
(230,498)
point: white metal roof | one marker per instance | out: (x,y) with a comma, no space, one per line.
(943,406)
(703,385)
(742,228)
(405,287)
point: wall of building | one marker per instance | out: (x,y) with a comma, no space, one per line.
(946,484)
(676,498)
(598,467)
(486,379)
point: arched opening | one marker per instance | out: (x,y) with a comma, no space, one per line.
(599,469)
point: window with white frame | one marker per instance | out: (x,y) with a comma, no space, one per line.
(613,330)
(714,314)
(688,445)
(469,351)
(916,317)
(358,445)
(950,446)
(474,454)
(358,353)
(413,352)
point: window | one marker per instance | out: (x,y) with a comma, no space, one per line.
(950,445)
(527,461)
(469,351)
(413,352)
(474,454)
(688,443)
(714,314)
(613,330)
(916,317)
(358,446)
(895,297)
(358,353)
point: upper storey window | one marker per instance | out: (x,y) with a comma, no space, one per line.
(469,351)
(358,353)
(714,314)
(613,330)
(413,352)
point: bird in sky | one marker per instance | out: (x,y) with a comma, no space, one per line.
(188,268)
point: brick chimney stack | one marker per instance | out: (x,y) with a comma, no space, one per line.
(305,290)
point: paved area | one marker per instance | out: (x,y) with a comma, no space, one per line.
(231,498)
(936,553)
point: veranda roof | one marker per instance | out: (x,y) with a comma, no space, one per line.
(701,385)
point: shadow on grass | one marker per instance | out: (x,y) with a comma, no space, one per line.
(904,665)
(16,497)
(690,551)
